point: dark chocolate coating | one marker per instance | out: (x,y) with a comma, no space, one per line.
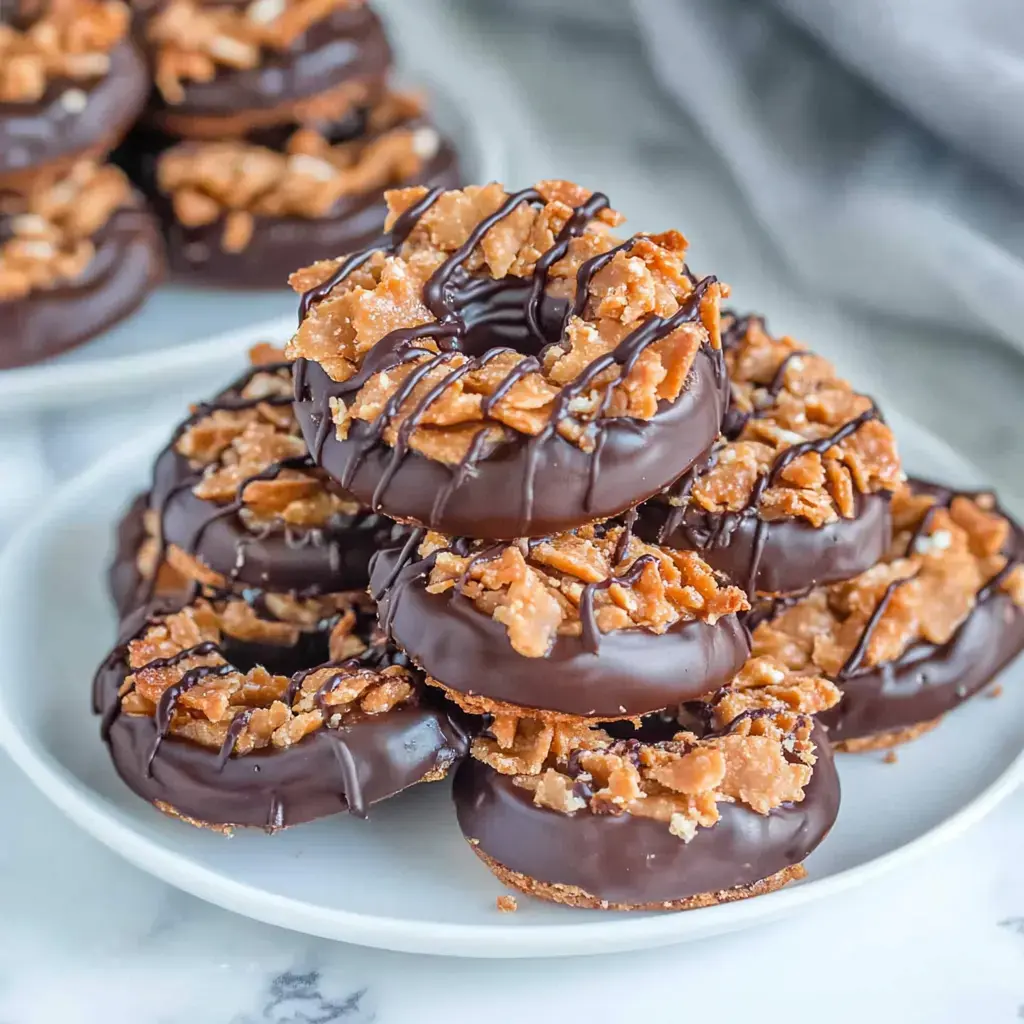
(280,245)
(637,861)
(638,459)
(347,45)
(324,560)
(929,679)
(275,788)
(127,266)
(795,556)
(34,134)
(634,672)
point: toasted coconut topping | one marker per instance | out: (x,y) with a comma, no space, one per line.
(753,747)
(192,40)
(944,555)
(784,395)
(248,440)
(238,181)
(593,579)
(181,654)
(71,41)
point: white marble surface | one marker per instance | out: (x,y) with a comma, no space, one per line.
(86,938)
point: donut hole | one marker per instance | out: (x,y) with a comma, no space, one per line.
(245,655)
(496,316)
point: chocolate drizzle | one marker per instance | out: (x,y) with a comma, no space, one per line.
(470,314)
(348,763)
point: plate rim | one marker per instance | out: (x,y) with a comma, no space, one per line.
(89,810)
(49,384)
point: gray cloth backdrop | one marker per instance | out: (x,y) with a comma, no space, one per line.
(880,143)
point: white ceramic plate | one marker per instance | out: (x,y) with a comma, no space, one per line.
(405,879)
(159,345)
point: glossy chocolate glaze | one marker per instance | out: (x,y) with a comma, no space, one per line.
(520,485)
(347,45)
(279,245)
(370,758)
(630,860)
(930,679)
(128,264)
(33,134)
(795,554)
(633,672)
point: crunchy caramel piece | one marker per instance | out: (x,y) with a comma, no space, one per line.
(71,40)
(507,904)
(536,592)
(789,396)
(757,750)
(192,40)
(51,228)
(386,294)
(934,579)
(177,647)
(238,181)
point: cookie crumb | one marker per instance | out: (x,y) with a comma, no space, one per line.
(507,904)
(891,757)
(996,691)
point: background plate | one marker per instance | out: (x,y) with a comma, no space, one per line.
(405,879)
(159,342)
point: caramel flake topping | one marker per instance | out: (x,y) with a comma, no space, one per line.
(755,749)
(935,574)
(50,232)
(204,712)
(535,590)
(786,396)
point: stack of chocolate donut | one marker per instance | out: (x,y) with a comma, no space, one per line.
(632,564)
(271,133)
(263,135)
(78,252)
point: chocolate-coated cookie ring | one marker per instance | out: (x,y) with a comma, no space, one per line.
(280,244)
(349,45)
(327,559)
(48,133)
(929,679)
(348,768)
(898,700)
(622,862)
(127,265)
(531,486)
(774,557)
(633,673)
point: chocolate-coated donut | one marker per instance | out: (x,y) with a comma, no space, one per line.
(622,673)
(796,492)
(537,361)
(279,552)
(613,859)
(53,133)
(347,48)
(908,664)
(280,244)
(126,264)
(359,758)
